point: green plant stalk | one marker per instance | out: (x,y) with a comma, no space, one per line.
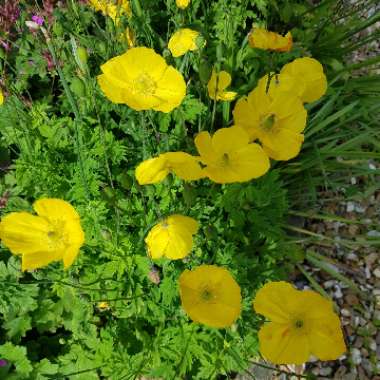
(226,113)
(313,283)
(137,8)
(325,217)
(315,259)
(78,140)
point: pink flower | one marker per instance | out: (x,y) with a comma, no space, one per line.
(38,19)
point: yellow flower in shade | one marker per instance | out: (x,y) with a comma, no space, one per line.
(302,323)
(210,295)
(141,79)
(217,84)
(172,237)
(182,41)
(102,306)
(182,4)
(129,37)
(229,157)
(277,119)
(55,234)
(309,73)
(182,164)
(112,8)
(1,97)
(262,39)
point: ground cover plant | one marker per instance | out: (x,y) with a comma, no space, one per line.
(152,155)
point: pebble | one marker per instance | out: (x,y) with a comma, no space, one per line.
(376,272)
(356,356)
(340,372)
(352,256)
(338,293)
(361,374)
(329,284)
(364,352)
(367,365)
(345,312)
(350,206)
(325,371)
(351,299)
(360,209)
(371,258)
(373,233)
(372,345)
(359,342)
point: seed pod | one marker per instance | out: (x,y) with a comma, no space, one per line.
(77,87)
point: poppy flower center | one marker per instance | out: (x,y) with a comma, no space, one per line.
(56,235)
(267,122)
(298,324)
(225,159)
(207,294)
(144,84)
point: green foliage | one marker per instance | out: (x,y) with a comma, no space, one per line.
(60,137)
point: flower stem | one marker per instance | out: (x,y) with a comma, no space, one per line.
(78,138)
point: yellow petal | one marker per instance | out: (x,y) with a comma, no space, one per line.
(224,305)
(157,241)
(276,301)
(182,4)
(182,41)
(171,90)
(23,233)
(281,345)
(262,39)
(227,140)
(204,145)
(179,245)
(180,228)
(287,106)
(151,171)
(217,84)
(246,117)
(1,97)
(140,60)
(185,222)
(250,162)
(184,165)
(326,338)
(227,95)
(309,72)
(36,260)
(114,93)
(283,145)
(172,237)
(53,209)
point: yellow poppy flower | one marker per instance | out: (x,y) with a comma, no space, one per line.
(309,72)
(182,4)
(55,234)
(103,306)
(262,39)
(229,157)
(112,8)
(302,323)
(1,97)
(217,84)
(182,41)
(141,79)
(277,119)
(172,237)
(210,295)
(182,164)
